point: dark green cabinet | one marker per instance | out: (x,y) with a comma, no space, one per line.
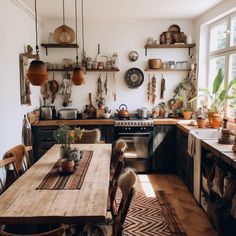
(218,184)
(184,162)
(164,148)
(43,137)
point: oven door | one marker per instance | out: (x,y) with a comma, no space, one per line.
(139,147)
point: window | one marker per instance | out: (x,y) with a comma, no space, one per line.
(222,54)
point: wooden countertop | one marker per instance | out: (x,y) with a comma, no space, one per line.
(75,122)
(164,121)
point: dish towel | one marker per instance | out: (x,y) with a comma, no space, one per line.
(194,150)
(191,144)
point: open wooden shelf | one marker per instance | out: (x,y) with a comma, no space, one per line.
(147,69)
(170,45)
(103,70)
(87,70)
(58,45)
(154,46)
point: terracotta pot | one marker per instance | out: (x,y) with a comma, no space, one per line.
(215,119)
(201,122)
(67,164)
(187,115)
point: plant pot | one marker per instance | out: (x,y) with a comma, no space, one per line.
(215,119)
(187,115)
(67,165)
(201,122)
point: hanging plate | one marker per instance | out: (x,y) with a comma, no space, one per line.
(134,77)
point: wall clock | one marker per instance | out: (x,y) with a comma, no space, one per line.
(134,77)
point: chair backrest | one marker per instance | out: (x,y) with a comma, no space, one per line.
(113,187)
(127,183)
(55,232)
(90,136)
(8,173)
(118,152)
(23,156)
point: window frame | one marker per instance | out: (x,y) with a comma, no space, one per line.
(226,52)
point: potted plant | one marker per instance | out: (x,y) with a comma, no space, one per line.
(217,98)
(188,111)
(65,136)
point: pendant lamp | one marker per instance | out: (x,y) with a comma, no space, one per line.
(78,74)
(63,33)
(37,73)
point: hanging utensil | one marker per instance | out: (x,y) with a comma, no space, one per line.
(53,87)
(105,85)
(114,92)
(99,88)
(163,86)
(154,89)
(149,90)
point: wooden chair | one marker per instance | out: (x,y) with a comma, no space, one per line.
(127,184)
(90,136)
(23,155)
(8,173)
(54,232)
(117,165)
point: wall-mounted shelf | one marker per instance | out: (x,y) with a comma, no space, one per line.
(87,70)
(59,45)
(103,70)
(154,46)
(167,69)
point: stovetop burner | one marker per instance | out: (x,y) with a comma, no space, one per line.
(134,122)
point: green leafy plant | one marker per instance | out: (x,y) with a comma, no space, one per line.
(65,136)
(219,94)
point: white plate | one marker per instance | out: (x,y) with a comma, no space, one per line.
(103,57)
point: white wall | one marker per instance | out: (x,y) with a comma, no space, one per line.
(17,30)
(114,36)
(121,36)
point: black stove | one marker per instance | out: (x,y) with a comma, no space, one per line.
(133,122)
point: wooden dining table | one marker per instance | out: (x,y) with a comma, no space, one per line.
(23,203)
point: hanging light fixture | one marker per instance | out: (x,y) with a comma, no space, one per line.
(64,33)
(78,74)
(37,73)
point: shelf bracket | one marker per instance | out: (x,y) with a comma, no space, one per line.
(145,52)
(46,51)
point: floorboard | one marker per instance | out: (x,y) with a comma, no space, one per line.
(193,218)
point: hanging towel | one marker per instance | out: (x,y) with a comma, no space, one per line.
(191,144)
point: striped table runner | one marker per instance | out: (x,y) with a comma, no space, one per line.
(55,180)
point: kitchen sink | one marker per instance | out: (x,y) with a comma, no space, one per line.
(207,133)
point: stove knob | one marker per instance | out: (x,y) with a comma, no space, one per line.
(129,128)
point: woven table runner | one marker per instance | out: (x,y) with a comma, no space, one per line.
(55,180)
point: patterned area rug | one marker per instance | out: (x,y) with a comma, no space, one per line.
(152,216)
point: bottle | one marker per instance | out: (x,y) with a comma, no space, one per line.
(189,39)
(50,37)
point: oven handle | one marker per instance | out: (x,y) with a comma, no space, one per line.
(140,134)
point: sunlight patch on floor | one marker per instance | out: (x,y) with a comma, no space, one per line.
(146,185)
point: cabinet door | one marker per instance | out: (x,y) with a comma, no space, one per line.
(42,140)
(184,162)
(164,148)
(43,137)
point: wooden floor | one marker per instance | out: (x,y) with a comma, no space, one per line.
(190,214)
